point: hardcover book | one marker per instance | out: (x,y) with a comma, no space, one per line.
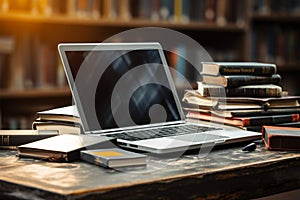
(113,158)
(61,127)
(268,90)
(64,148)
(65,120)
(241,80)
(281,138)
(245,121)
(246,112)
(238,68)
(14,138)
(193,97)
(65,114)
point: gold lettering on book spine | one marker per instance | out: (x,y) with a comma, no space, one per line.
(241,70)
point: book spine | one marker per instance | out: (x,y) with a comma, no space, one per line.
(17,140)
(236,81)
(247,70)
(254,92)
(251,113)
(93,160)
(284,142)
(270,120)
(241,92)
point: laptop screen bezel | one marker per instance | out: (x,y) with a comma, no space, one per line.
(65,47)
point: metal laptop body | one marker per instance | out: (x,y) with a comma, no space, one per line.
(127,87)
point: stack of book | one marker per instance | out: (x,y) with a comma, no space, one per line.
(242,94)
(247,79)
(64,120)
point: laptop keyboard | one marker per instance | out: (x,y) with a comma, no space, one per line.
(162,132)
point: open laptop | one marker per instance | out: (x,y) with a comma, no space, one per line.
(125,90)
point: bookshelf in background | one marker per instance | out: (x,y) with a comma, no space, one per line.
(275,37)
(33,28)
(32,75)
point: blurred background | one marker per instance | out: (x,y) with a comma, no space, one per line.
(31,74)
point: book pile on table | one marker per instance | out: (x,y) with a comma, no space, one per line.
(242,94)
(64,120)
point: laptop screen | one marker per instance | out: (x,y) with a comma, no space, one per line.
(122,88)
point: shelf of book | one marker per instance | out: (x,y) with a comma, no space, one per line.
(81,21)
(274,37)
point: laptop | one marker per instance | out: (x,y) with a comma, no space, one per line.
(126,91)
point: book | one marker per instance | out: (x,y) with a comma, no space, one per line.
(61,127)
(65,120)
(14,138)
(64,114)
(246,112)
(64,148)
(238,68)
(265,90)
(244,121)
(196,100)
(113,158)
(241,80)
(281,138)
(259,128)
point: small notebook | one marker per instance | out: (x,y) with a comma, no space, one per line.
(113,158)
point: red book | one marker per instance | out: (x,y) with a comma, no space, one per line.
(281,138)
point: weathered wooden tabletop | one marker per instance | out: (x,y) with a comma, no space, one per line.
(223,173)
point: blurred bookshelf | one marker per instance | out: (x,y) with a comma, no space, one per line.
(31,74)
(275,37)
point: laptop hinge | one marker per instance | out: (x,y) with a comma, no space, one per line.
(149,126)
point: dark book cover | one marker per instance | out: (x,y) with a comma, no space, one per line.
(269,120)
(241,80)
(261,91)
(238,68)
(12,138)
(281,138)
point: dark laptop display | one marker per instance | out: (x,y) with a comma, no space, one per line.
(132,89)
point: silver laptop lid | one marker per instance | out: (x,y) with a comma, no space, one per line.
(120,85)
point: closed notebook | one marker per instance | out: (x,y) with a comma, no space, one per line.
(113,158)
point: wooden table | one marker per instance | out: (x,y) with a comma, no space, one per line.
(224,173)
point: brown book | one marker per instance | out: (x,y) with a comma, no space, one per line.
(246,112)
(244,121)
(281,138)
